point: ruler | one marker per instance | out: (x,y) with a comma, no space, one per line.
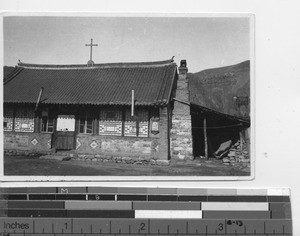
(144,211)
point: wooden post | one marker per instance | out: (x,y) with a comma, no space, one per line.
(241,137)
(248,140)
(241,142)
(205,137)
(37,124)
(76,130)
(39,99)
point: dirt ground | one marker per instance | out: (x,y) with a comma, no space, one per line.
(21,165)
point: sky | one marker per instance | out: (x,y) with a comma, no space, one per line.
(205,42)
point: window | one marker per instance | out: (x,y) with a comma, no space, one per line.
(65,123)
(143,123)
(47,124)
(5,125)
(137,125)
(24,120)
(118,123)
(110,122)
(8,119)
(86,125)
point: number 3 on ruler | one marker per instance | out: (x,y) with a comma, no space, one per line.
(220,226)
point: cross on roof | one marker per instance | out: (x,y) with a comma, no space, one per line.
(91,50)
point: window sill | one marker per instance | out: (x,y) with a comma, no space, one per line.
(116,136)
(19,132)
(126,137)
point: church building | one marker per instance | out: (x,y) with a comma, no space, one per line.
(105,109)
(144,110)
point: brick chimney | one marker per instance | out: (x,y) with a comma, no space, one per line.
(183,69)
(181,132)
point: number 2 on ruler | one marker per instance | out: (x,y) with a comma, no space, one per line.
(142,226)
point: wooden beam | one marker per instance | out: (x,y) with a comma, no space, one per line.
(205,137)
(37,124)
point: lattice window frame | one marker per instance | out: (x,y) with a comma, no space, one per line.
(125,125)
(24,120)
(137,126)
(109,125)
(84,122)
(47,122)
(8,119)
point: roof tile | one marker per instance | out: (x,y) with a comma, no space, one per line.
(215,89)
(101,85)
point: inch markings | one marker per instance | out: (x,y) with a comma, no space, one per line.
(111,211)
(45,226)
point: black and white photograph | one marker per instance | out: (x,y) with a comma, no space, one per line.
(136,96)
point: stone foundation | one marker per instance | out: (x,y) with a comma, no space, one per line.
(120,159)
(105,145)
(18,142)
(90,146)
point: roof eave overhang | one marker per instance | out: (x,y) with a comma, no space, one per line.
(163,103)
(172,85)
(245,122)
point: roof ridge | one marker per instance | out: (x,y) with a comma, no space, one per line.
(96,66)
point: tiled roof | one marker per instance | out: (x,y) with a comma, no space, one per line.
(102,84)
(215,89)
(10,72)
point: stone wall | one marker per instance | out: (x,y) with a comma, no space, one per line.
(181,132)
(163,144)
(155,147)
(116,146)
(181,137)
(33,142)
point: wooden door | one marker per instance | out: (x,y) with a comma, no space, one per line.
(65,140)
(65,132)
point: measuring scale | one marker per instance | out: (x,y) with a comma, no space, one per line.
(144,211)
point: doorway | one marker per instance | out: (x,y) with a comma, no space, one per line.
(65,132)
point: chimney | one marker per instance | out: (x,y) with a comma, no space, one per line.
(181,132)
(183,69)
